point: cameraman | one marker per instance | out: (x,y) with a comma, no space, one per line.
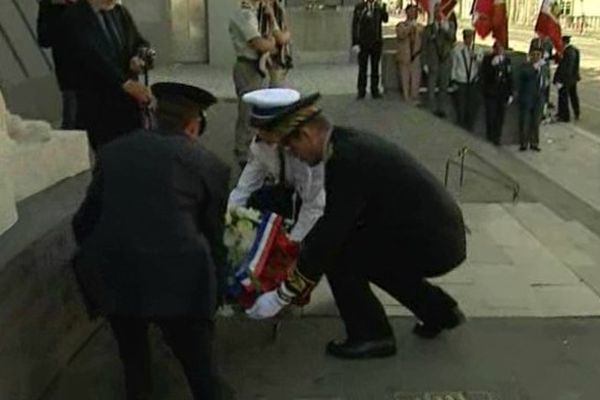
(104,44)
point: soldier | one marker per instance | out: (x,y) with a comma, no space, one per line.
(387,221)
(150,232)
(465,73)
(566,77)
(496,77)
(249,45)
(409,36)
(438,42)
(367,40)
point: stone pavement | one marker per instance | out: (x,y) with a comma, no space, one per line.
(528,261)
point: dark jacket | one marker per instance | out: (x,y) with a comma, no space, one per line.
(567,72)
(49,25)
(532,86)
(367,31)
(150,229)
(497,80)
(382,205)
(438,44)
(99,68)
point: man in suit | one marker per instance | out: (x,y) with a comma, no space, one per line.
(49,23)
(367,40)
(532,87)
(545,43)
(496,77)
(408,54)
(438,42)
(387,221)
(103,42)
(566,78)
(465,73)
(150,234)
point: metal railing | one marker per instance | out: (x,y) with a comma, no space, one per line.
(459,160)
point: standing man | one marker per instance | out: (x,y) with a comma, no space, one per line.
(545,43)
(438,42)
(150,234)
(367,40)
(533,82)
(566,77)
(281,58)
(496,76)
(249,45)
(465,72)
(49,24)
(104,43)
(408,55)
(387,221)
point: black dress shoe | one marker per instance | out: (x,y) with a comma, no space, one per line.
(362,350)
(428,331)
(440,114)
(522,147)
(535,148)
(360,96)
(376,95)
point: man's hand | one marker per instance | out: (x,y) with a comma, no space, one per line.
(510,100)
(136,65)
(426,68)
(558,85)
(356,49)
(139,92)
(267,305)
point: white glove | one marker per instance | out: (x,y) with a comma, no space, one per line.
(356,48)
(426,69)
(268,305)
(510,100)
(558,85)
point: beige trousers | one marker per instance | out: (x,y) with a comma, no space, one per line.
(410,79)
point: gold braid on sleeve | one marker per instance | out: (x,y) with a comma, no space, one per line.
(301,286)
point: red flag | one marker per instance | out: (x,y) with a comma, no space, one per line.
(424,4)
(447,6)
(489,16)
(548,23)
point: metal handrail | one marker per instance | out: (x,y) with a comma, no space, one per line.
(462,154)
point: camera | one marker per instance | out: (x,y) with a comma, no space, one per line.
(148,55)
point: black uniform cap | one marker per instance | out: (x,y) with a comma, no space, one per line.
(182,95)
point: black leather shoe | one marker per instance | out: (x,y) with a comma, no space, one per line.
(376,95)
(360,96)
(362,350)
(427,331)
(522,148)
(440,114)
(535,148)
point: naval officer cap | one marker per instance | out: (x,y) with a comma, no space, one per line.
(281,111)
(192,98)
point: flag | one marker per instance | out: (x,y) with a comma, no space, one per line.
(490,17)
(548,23)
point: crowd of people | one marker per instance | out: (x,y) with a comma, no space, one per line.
(150,230)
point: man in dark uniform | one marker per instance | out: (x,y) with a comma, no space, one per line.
(387,221)
(533,81)
(566,78)
(103,43)
(49,25)
(150,232)
(367,39)
(496,77)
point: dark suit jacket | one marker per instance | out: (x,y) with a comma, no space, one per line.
(105,110)
(531,92)
(368,31)
(384,210)
(567,72)
(150,229)
(49,26)
(497,80)
(438,44)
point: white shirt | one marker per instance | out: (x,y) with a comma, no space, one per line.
(469,72)
(308,181)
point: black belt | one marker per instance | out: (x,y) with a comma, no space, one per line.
(247,59)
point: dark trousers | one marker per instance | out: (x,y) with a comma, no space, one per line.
(367,259)
(69,111)
(106,118)
(191,341)
(495,111)
(566,94)
(467,98)
(373,53)
(530,117)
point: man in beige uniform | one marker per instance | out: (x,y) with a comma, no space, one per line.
(408,54)
(249,45)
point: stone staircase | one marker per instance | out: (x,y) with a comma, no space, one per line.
(523,261)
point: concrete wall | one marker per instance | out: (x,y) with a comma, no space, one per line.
(220,49)
(25,70)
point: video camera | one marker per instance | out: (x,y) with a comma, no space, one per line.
(148,55)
